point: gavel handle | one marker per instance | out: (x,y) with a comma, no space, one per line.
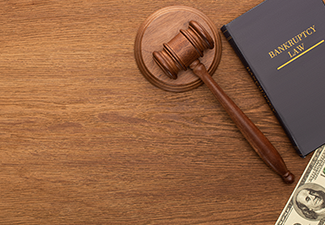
(254,136)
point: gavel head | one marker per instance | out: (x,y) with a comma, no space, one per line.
(183,49)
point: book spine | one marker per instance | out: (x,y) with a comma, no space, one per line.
(233,44)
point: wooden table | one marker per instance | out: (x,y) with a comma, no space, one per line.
(86,139)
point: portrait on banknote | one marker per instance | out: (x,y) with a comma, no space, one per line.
(309,201)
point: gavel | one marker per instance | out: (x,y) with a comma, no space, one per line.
(182,52)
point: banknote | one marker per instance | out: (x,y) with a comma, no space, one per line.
(306,205)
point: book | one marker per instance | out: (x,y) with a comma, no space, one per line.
(282,45)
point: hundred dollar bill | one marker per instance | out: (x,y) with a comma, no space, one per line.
(306,205)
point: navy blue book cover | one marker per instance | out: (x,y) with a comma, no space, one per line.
(281,44)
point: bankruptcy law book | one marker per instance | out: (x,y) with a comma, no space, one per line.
(282,45)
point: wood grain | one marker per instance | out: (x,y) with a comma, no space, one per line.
(86,139)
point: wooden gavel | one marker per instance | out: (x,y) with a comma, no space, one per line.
(182,52)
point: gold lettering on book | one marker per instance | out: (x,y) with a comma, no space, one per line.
(293,42)
(308,50)
(297,50)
